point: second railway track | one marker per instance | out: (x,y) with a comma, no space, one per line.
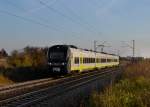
(55,88)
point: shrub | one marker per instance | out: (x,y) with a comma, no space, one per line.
(132,91)
(29,57)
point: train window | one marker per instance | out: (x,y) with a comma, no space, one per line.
(93,60)
(115,60)
(88,60)
(108,60)
(83,60)
(76,60)
(103,60)
(99,60)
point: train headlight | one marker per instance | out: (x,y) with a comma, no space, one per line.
(50,63)
(63,63)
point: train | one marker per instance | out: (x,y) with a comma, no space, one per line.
(64,59)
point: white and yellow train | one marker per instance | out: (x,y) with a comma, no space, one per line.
(64,59)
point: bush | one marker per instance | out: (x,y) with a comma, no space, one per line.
(29,57)
(28,64)
(132,91)
(21,74)
(138,69)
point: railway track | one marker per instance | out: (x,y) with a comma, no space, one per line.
(14,86)
(58,87)
(20,88)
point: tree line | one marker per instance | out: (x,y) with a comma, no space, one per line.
(27,64)
(28,57)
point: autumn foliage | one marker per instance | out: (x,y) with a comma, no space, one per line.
(29,57)
(27,64)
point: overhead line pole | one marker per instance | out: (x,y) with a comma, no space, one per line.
(101,45)
(133,48)
(95,47)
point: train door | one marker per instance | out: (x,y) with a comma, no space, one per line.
(75,63)
(69,58)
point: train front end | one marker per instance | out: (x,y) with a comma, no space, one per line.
(58,59)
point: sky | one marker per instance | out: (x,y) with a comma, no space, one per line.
(78,22)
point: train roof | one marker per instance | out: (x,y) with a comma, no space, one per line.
(75,47)
(66,46)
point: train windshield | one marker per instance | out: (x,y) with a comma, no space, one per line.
(57,53)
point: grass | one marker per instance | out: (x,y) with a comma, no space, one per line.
(132,91)
(4,81)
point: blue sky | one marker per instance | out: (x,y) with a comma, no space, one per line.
(77,22)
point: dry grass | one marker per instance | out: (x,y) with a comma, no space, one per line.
(132,91)
(3,63)
(137,70)
(4,81)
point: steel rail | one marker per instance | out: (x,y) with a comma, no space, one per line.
(23,88)
(17,89)
(18,85)
(37,96)
(4,88)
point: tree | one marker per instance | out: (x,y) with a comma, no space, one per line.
(30,57)
(3,53)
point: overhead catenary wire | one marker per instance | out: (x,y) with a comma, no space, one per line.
(13,4)
(82,22)
(30,20)
(23,9)
(85,22)
(63,15)
(56,28)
